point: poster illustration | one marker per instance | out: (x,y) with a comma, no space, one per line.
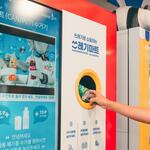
(20,129)
(26,62)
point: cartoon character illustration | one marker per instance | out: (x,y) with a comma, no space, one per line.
(41,70)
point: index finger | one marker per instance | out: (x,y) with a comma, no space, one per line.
(92,92)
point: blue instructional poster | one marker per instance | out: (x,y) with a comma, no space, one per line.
(30,42)
(27,126)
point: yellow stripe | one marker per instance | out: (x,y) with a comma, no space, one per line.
(144,91)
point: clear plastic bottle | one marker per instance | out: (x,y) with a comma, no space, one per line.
(26,118)
(17,122)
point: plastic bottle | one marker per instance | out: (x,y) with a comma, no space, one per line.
(84,93)
(17,122)
(32,68)
(12,65)
(26,118)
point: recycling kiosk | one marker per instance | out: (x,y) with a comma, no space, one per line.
(51,56)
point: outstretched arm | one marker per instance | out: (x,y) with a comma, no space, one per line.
(135,113)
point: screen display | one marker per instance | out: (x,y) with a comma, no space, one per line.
(27,60)
(30,43)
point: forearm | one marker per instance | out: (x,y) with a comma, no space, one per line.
(136,113)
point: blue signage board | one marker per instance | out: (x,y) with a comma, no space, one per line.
(30,42)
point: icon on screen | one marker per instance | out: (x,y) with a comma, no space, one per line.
(70,147)
(22,122)
(97,143)
(84,145)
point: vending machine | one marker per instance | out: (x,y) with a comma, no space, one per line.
(50,58)
(82,125)
(133,85)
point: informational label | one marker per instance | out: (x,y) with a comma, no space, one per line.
(144,52)
(20,124)
(84,135)
(83,68)
(38,18)
(29,70)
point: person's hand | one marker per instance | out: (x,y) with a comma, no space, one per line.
(98,99)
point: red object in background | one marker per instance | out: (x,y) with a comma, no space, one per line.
(12,77)
(93,12)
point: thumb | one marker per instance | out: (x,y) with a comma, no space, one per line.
(93,100)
